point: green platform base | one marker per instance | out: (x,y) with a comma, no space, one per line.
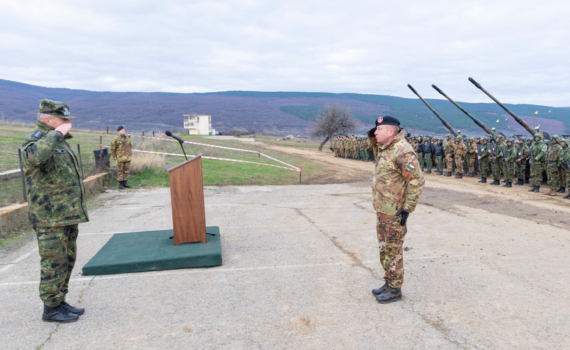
(153,251)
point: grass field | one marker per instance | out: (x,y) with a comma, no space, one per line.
(215,172)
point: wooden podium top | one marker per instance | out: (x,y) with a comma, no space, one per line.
(184,162)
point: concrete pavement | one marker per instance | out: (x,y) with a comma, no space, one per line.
(299,264)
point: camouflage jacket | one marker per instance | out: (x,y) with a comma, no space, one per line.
(553,153)
(398,180)
(523,152)
(484,151)
(472,147)
(460,149)
(121,149)
(497,150)
(449,147)
(539,151)
(56,196)
(511,155)
(565,154)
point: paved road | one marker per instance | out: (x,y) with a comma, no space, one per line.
(299,264)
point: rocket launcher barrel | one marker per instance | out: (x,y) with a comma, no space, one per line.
(477,121)
(455,133)
(519,120)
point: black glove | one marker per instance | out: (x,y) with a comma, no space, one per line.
(404,214)
(371,132)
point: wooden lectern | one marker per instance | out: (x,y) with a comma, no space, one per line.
(187,197)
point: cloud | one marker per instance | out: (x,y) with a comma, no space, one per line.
(515,49)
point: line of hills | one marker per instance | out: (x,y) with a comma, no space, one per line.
(278,113)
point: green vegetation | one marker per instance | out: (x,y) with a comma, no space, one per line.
(215,172)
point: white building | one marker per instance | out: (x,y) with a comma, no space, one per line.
(198,124)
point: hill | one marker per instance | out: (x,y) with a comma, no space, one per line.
(271,112)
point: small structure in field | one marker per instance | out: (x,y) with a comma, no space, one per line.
(198,124)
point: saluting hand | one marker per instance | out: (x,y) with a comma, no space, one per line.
(64,128)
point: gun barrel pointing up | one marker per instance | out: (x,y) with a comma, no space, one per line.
(434,112)
(519,120)
(477,121)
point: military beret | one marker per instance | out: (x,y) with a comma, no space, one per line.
(120,128)
(387,120)
(57,108)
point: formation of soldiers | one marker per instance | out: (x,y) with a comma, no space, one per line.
(359,148)
(532,161)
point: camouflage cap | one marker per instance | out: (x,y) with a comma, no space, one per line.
(56,108)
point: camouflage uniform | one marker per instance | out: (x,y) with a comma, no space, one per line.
(509,157)
(484,159)
(56,202)
(471,155)
(121,150)
(397,184)
(449,148)
(523,153)
(539,155)
(460,152)
(498,161)
(565,164)
(552,157)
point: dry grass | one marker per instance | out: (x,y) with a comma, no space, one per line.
(142,161)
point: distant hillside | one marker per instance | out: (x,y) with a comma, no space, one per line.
(271,112)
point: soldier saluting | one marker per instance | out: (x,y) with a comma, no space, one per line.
(396,187)
(56,205)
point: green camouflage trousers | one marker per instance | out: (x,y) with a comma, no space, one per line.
(497,169)
(58,249)
(508,171)
(391,243)
(537,173)
(553,174)
(521,169)
(123,173)
(484,166)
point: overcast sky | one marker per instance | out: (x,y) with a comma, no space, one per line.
(518,50)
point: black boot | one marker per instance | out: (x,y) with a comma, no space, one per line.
(508,184)
(380,290)
(532,188)
(568,196)
(459,176)
(447,174)
(536,189)
(526,181)
(58,314)
(390,295)
(496,182)
(126,185)
(561,190)
(74,310)
(520,182)
(121,185)
(483,180)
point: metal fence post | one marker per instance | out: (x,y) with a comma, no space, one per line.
(22,175)
(80,162)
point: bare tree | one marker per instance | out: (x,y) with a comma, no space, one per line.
(333,119)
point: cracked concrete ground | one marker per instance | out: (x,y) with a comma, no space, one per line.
(299,264)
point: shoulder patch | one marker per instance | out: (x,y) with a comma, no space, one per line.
(411,166)
(37,134)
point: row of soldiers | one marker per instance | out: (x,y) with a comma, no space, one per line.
(359,148)
(545,161)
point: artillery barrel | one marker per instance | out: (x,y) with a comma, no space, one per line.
(434,112)
(477,121)
(519,120)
